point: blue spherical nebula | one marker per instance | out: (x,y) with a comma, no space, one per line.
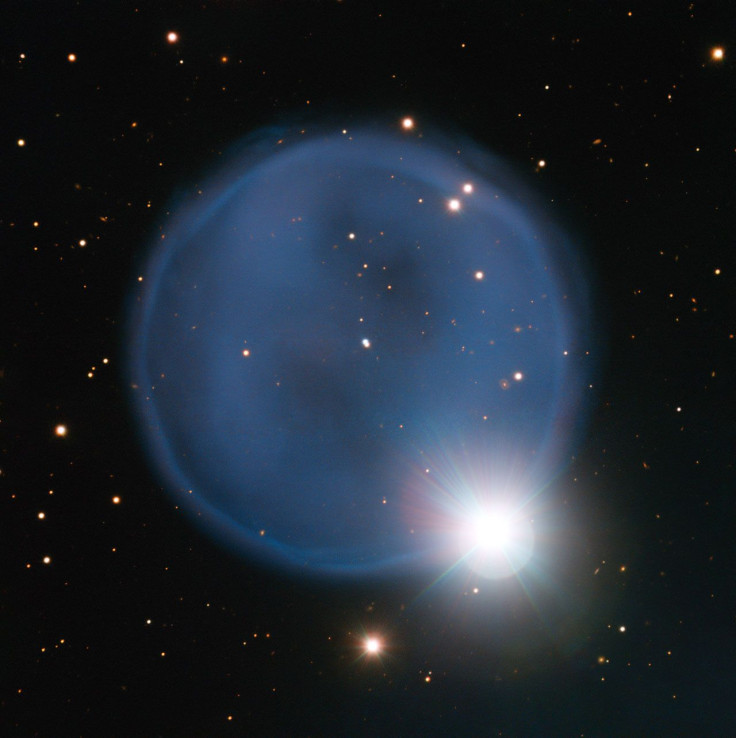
(350,341)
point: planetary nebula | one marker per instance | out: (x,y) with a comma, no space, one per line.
(350,342)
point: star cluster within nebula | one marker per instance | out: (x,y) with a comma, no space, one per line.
(361,351)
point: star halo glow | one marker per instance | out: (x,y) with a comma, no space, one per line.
(478,516)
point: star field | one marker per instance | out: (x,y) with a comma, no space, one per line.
(594,597)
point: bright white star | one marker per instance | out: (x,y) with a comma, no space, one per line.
(497,542)
(492,531)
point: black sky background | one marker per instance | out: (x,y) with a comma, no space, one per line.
(650,488)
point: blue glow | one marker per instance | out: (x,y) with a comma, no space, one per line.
(336,319)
